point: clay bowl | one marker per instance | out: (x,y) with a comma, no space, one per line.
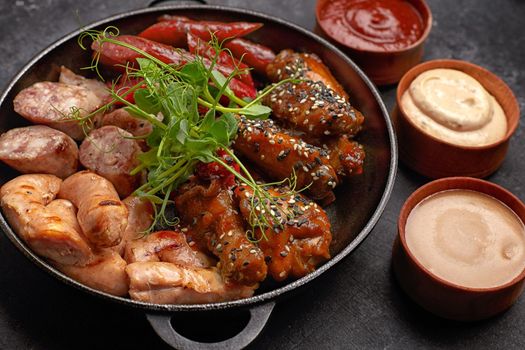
(383,67)
(437,295)
(436,158)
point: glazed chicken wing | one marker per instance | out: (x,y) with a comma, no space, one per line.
(292,247)
(166,283)
(308,66)
(316,105)
(210,212)
(49,226)
(279,154)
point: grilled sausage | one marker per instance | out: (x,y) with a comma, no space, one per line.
(112,153)
(121,118)
(167,246)
(217,226)
(101,215)
(95,86)
(290,64)
(292,246)
(39,149)
(166,283)
(50,103)
(280,154)
(107,273)
(48,225)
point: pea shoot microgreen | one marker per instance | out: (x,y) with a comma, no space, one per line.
(169,97)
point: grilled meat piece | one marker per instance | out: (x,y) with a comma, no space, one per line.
(167,246)
(279,154)
(217,226)
(49,103)
(313,108)
(290,64)
(48,225)
(107,273)
(112,153)
(318,105)
(293,247)
(101,215)
(39,149)
(166,283)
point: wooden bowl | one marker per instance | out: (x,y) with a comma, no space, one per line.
(383,67)
(437,295)
(436,158)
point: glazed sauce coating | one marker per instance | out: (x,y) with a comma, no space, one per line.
(374,25)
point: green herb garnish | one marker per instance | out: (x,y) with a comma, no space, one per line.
(169,97)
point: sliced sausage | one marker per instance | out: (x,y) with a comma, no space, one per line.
(39,149)
(48,225)
(101,215)
(50,103)
(95,86)
(121,118)
(112,153)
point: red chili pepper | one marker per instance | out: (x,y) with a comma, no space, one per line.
(118,57)
(172,30)
(215,170)
(255,55)
(201,47)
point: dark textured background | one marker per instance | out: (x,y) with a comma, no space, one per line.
(357,304)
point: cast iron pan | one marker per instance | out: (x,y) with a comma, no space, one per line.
(359,203)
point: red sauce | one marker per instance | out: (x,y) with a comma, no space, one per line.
(373,25)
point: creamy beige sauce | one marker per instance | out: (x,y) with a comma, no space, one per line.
(467,238)
(454,107)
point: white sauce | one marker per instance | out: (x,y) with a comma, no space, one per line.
(454,107)
(467,238)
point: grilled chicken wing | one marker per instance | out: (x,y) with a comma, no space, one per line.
(313,108)
(39,149)
(48,225)
(317,105)
(166,283)
(101,214)
(107,273)
(292,247)
(279,154)
(290,64)
(167,246)
(50,103)
(112,153)
(218,227)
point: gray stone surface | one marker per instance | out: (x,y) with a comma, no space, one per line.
(357,304)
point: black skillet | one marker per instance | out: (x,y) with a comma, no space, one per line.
(359,203)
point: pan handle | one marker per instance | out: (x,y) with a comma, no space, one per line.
(259,316)
(157,2)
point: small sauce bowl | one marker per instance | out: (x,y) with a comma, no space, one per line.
(435,158)
(384,67)
(440,296)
